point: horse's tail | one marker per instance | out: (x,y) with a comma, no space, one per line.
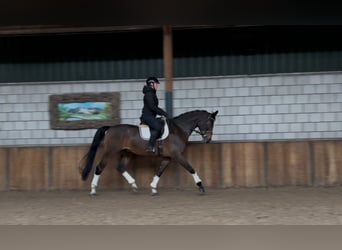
(90,156)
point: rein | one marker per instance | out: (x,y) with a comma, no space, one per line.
(201,133)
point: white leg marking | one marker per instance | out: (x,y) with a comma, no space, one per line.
(128,177)
(154,184)
(95,180)
(94,183)
(196,178)
(93,190)
(155,181)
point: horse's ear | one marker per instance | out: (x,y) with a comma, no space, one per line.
(214,114)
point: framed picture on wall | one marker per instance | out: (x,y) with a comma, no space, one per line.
(84,110)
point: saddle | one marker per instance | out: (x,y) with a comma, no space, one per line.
(145,133)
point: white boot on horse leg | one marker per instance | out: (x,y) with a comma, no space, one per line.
(130,181)
(198,182)
(94,184)
(153,185)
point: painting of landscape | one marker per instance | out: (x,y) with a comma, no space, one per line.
(73,111)
(76,111)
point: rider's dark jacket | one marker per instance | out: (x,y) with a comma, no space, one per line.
(151,103)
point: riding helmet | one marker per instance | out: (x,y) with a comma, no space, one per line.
(151,80)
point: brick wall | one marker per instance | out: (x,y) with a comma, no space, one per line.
(251,108)
(269,107)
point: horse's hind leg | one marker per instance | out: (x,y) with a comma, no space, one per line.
(181,160)
(108,157)
(156,178)
(122,169)
(97,174)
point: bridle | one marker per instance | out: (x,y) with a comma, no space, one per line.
(204,133)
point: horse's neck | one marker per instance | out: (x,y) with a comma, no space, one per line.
(186,126)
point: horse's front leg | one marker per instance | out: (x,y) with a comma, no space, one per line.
(156,177)
(181,160)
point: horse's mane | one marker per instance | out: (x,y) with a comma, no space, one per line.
(187,113)
(172,122)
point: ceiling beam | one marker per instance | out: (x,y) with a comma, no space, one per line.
(60,29)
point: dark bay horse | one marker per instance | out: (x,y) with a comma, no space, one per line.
(124,139)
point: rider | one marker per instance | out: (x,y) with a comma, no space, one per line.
(151,110)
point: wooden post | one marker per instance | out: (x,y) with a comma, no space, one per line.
(168,68)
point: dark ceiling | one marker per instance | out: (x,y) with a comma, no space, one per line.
(27,14)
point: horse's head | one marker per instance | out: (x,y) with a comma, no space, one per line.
(206,126)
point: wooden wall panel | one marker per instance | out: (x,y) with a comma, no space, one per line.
(205,160)
(298,161)
(210,167)
(29,168)
(248,164)
(276,166)
(327,157)
(228,173)
(65,168)
(289,163)
(235,164)
(3,168)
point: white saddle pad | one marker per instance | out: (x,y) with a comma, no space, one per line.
(145,133)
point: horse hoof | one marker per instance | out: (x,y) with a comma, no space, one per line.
(202,190)
(92,194)
(154,192)
(200,187)
(134,187)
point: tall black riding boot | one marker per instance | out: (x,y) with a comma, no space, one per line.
(152,141)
